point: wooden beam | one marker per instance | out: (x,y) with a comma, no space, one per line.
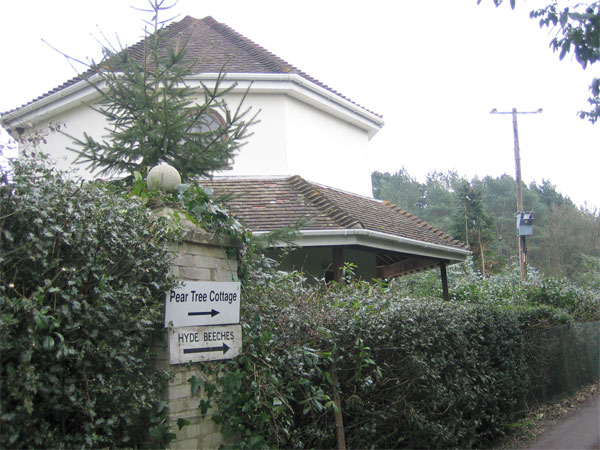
(338,262)
(406,266)
(444,275)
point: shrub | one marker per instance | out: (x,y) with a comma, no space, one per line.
(451,375)
(83,272)
(580,300)
(412,373)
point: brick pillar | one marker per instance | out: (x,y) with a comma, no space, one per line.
(198,256)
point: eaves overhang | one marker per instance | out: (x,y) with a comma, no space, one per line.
(375,240)
(50,105)
(299,88)
(292,85)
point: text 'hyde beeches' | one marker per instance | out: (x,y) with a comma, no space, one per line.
(207,336)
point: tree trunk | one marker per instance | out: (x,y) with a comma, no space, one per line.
(481,253)
(339,422)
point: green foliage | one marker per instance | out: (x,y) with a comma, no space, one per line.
(400,188)
(154,115)
(589,275)
(577,31)
(555,300)
(439,189)
(481,211)
(83,274)
(196,204)
(453,373)
(411,373)
(471,222)
(279,391)
(431,201)
(190,201)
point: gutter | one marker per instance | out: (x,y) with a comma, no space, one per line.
(373,239)
(53,103)
(28,112)
(294,78)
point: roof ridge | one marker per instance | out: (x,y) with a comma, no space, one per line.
(252,47)
(313,195)
(260,51)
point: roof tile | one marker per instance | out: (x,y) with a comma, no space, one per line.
(286,200)
(213,47)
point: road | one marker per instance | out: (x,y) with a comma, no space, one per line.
(578,430)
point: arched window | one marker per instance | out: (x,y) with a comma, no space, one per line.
(210,121)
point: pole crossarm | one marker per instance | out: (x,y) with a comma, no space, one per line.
(514,111)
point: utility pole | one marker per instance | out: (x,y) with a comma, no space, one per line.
(522,216)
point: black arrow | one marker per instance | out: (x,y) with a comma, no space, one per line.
(211,313)
(224,348)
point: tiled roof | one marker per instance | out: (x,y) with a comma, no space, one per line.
(266,204)
(213,46)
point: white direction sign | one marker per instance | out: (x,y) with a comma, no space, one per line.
(202,303)
(197,344)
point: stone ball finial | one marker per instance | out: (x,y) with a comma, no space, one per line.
(163,177)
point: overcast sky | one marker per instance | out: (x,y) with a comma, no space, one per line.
(433,69)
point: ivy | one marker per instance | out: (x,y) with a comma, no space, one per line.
(83,272)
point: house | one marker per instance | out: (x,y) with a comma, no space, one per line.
(306,130)
(305,127)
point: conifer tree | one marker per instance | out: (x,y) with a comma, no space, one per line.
(472,224)
(152,115)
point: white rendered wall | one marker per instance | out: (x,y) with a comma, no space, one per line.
(73,122)
(265,152)
(327,150)
(292,138)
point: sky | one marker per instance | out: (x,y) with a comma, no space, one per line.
(433,69)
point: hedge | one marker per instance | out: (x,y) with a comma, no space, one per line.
(83,272)
(410,373)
